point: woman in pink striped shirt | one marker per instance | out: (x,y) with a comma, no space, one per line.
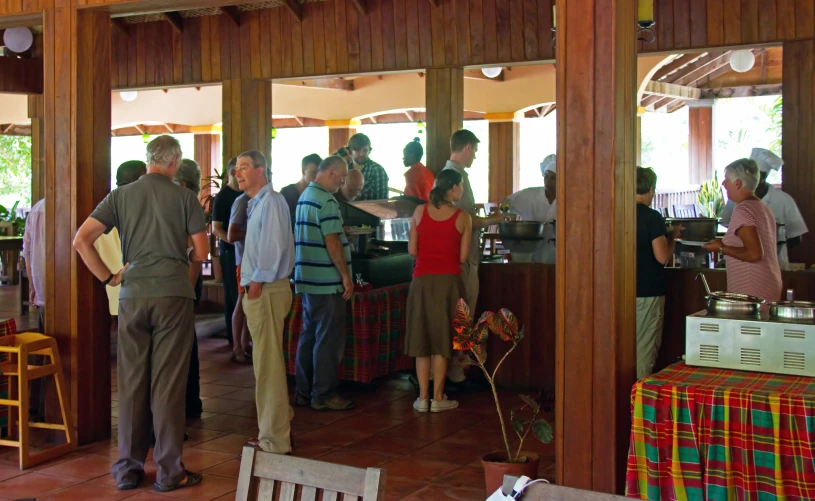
(750,242)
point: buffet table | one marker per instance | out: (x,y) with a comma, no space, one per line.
(375,334)
(701,433)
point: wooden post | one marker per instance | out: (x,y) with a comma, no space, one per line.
(339,132)
(247,112)
(798,148)
(700,147)
(208,156)
(444,96)
(596,276)
(77,174)
(505,153)
(36,112)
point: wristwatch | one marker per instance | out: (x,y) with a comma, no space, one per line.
(109,279)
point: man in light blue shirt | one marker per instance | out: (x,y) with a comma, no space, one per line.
(267,262)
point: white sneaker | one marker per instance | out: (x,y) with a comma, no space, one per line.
(443,405)
(422,405)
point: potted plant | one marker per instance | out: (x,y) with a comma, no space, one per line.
(471,337)
(711,199)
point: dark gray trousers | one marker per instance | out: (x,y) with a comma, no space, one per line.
(321,346)
(155,340)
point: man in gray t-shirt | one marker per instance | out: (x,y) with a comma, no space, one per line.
(156,219)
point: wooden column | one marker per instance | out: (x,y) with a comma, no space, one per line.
(596,276)
(505,153)
(208,156)
(798,148)
(700,144)
(339,132)
(36,112)
(77,178)
(444,97)
(247,112)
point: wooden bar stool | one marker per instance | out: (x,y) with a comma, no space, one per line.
(18,347)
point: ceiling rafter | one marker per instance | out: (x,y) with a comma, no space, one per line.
(362,6)
(175,20)
(296,8)
(233,13)
(120,25)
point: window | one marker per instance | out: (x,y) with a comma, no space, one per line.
(538,140)
(288,149)
(664,146)
(127,148)
(388,141)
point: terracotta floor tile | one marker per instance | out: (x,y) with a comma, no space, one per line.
(237,380)
(245,394)
(395,445)
(215,390)
(424,430)
(226,497)
(452,453)
(7,473)
(374,424)
(476,438)
(87,491)
(311,451)
(398,488)
(424,470)
(199,459)
(224,422)
(113,453)
(225,405)
(84,468)
(245,411)
(299,428)
(330,437)
(360,459)
(306,415)
(55,461)
(211,487)
(229,444)
(444,493)
(197,435)
(146,483)
(150,495)
(468,477)
(33,485)
(229,469)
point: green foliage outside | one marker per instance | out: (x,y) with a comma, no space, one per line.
(775,112)
(15,171)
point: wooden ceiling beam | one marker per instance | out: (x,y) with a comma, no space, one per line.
(233,14)
(410,115)
(121,25)
(322,83)
(675,105)
(296,8)
(548,109)
(478,75)
(175,20)
(743,91)
(674,65)
(672,90)
(362,6)
(170,129)
(139,128)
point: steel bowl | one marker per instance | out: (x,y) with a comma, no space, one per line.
(726,303)
(793,310)
(700,229)
(520,230)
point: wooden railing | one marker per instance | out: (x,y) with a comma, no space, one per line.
(666,199)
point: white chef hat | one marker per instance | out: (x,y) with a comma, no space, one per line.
(549,163)
(766,159)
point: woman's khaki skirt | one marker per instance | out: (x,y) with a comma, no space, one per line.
(431,307)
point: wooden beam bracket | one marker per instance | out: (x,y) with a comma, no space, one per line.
(121,25)
(296,9)
(362,6)
(744,91)
(233,13)
(175,20)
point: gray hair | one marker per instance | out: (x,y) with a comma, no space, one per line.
(258,160)
(190,174)
(744,170)
(331,161)
(162,150)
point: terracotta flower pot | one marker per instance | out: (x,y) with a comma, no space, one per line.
(495,467)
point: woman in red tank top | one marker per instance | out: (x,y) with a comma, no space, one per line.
(439,241)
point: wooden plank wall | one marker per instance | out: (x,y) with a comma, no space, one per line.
(334,38)
(700,144)
(20,76)
(505,159)
(338,137)
(247,114)
(36,112)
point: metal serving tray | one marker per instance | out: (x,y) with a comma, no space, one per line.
(757,343)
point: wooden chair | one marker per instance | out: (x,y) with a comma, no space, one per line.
(542,491)
(18,347)
(686,211)
(265,476)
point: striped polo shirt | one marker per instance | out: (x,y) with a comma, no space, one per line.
(318,214)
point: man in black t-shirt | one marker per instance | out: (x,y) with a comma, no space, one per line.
(221,209)
(654,248)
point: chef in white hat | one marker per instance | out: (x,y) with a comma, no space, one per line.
(539,204)
(783,206)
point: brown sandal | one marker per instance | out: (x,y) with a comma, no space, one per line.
(189,480)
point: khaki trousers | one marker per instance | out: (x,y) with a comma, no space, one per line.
(649,332)
(266,317)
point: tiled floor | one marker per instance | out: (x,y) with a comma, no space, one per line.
(427,456)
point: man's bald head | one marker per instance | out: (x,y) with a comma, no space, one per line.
(354,183)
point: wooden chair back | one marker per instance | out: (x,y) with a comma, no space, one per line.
(688,210)
(542,491)
(265,477)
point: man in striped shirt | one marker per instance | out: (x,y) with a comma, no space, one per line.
(322,276)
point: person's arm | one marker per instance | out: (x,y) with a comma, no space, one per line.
(466,237)
(752,251)
(333,244)
(218,231)
(237,221)
(413,238)
(484,222)
(663,249)
(87,234)
(236,233)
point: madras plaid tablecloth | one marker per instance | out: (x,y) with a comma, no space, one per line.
(375,334)
(718,434)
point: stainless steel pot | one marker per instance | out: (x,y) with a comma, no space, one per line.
(725,303)
(701,229)
(793,310)
(520,230)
